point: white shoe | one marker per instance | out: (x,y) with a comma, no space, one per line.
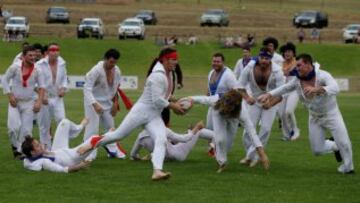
(341,169)
(296,135)
(114,151)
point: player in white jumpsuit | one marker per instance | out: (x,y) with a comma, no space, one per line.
(53,67)
(317,90)
(289,102)
(147,111)
(101,85)
(257,111)
(221,79)
(61,158)
(241,63)
(226,124)
(178,146)
(19,83)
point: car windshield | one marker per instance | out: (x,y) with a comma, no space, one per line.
(213,12)
(144,13)
(353,27)
(131,23)
(58,10)
(309,14)
(16,21)
(89,22)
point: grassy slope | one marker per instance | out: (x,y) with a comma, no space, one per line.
(81,55)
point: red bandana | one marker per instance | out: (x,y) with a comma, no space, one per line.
(172,55)
(54,49)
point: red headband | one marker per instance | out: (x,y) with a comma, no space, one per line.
(54,49)
(171,55)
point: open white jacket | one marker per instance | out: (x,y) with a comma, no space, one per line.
(156,88)
(96,87)
(319,104)
(52,87)
(12,82)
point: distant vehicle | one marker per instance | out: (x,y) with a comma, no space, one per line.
(310,19)
(57,14)
(17,25)
(351,32)
(215,17)
(132,27)
(91,27)
(148,16)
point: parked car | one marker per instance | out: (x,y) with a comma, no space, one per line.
(17,25)
(57,14)
(351,33)
(132,27)
(310,19)
(148,16)
(215,17)
(91,27)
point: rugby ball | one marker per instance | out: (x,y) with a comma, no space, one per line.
(185,103)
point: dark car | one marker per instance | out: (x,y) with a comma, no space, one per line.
(57,14)
(310,19)
(148,16)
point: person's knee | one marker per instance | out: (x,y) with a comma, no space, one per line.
(288,112)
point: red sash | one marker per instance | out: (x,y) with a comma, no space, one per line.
(25,77)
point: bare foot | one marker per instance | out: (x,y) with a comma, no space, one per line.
(245,161)
(221,168)
(198,126)
(84,122)
(263,158)
(146,157)
(160,175)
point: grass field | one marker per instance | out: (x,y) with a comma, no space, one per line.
(295,174)
(136,56)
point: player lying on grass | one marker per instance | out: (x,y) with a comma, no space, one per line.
(178,146)
(228,112)
(60,158)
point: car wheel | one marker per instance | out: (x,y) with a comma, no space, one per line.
(121,37)
(141,37)
(202,24)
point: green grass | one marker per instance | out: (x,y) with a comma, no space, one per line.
(296,175)
(136,56)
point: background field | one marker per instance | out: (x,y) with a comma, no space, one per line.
(295,175)
(182,17)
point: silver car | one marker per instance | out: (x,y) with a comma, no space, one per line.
(17,24)
(351,32)
(215,17)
